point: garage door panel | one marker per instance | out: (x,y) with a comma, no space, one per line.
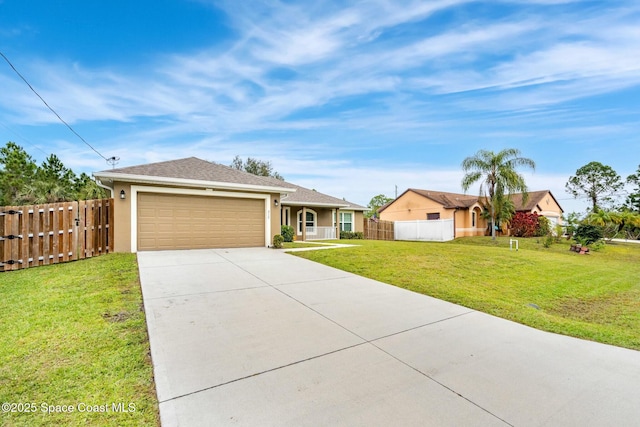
(184,222)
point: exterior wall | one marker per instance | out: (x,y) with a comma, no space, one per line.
(358,225)
(412,206)
(122,216)
(275,213)
(549,208)
(464,222)
(325,217)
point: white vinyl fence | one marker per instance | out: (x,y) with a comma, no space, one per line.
(440,230)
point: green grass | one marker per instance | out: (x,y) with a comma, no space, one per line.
(75,334)
(295,245)
(595,296)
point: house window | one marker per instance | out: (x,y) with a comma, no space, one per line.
(433,216)
(473,219)
(286,212)
(310,222)
(346,221)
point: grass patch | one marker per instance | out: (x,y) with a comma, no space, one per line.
(295,245)
(595,296)
(75,334)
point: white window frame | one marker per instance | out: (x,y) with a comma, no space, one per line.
(299,221)
(287,216)
(342,222)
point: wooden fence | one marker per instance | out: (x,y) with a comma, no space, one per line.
(378,230)
(32,236)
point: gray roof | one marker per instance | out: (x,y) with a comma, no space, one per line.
(195,169)
(305,196)
(192,168)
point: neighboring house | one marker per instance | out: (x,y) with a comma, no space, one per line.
(465,210)
(192,203)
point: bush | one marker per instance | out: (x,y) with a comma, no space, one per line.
(287,233)
(524,224)
(277,241)
(587,234)
(352,235)
(544,226)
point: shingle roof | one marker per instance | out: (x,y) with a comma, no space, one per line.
(535,197)
(305,196)
(455,200)
(193,168)
(448,200)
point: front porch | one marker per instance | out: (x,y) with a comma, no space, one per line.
(320,222)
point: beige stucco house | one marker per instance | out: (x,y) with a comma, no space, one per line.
(193,203)
(465,210)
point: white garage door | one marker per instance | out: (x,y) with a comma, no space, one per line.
(168,221)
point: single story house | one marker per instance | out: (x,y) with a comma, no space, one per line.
(192,203)
(464,209)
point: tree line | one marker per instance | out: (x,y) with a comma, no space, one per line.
(24,182)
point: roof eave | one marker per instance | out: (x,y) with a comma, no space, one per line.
(314,204)
(181,182)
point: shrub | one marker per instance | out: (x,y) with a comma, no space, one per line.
(587,234)
(287,233)
(524,224)
(352,235)
(277,241)
(544,226)
(548,241)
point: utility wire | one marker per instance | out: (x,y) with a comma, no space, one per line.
(23,138)
(53,111)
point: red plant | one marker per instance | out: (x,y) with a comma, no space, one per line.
(524,224)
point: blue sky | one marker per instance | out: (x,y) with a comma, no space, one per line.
(349,98)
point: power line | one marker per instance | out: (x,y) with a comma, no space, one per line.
(23,138)
(53,111)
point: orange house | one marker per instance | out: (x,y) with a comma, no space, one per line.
(465,210)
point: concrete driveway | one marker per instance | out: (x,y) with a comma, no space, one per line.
(259,337)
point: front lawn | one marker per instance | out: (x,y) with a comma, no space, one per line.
(595,296)
(73,337)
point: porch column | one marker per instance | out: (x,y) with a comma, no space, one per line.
(337,223)
(304,223)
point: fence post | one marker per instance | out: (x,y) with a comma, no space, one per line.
(24,232)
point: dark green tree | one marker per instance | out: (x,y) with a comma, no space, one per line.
(17,170)
(375,204)
(86,188)
(256,167)
(499,178)
(54,182)
(598,182)
(633,199)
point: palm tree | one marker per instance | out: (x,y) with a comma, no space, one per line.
(504,210)
(499,176)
